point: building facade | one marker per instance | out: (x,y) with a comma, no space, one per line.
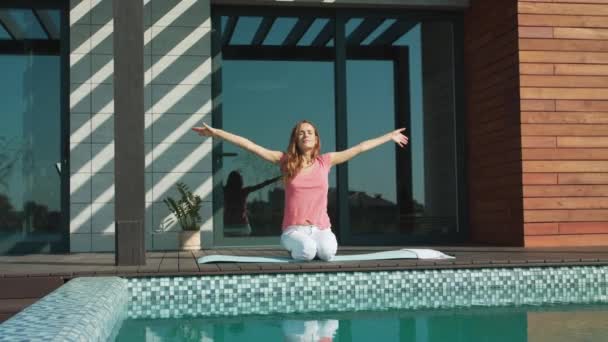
(505,104)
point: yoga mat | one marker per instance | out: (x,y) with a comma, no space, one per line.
(396,254)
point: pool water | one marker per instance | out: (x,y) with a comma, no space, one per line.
(513,324)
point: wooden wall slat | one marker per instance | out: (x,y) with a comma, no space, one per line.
(583,178)
(581,69)
(567,240)
(563,57)
(565,166)
(539,178)
(565,117)
(581,106)
(565,190)
(561,20)
(564,130)
(541,228)
(566,215)
(577,1)
(562,8)
(536,69)
(564,93)
(564,154)
(537,105)
(566,203)
(576,142)
(563,81)
(529,44)
(535,32)
(583,227)
(580,33)
(527,142)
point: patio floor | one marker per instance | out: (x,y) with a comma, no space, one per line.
(174,263)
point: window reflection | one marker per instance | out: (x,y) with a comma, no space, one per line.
(30,136)
(508,324)
(262,101)
(270,79)
(277,70)
(400,74)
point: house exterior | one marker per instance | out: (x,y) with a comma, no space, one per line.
(505,103)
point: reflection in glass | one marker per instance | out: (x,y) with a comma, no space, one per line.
(371,176)
(297,330)
(400,74)
(236,217)
(30,141)
(277,70)
(269,82)
(3,34)
(499,324)
(25,23)
(262,102)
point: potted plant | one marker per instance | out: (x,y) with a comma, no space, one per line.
(186,212)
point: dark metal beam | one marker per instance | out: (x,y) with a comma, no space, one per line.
(129,163)
(230,26)
(363,30)
(394,32)
(10,25)
(326,34)
(262,31)
(46,4)
(304,53)
(46,31)
(277,53)
(64,32)
(403,157)
(46,23)
(30,46)
(342,208)
(298,30)
(6,29)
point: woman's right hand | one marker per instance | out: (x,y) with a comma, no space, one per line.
(205,130)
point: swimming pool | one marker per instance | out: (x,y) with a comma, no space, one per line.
(509,324)
(232,307)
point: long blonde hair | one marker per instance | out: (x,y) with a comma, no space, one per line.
(294,160)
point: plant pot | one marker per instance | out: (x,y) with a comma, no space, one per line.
(190,240)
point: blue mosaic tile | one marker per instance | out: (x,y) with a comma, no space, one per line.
(231,295)
(84,309)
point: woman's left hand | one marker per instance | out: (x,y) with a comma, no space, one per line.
(399,137)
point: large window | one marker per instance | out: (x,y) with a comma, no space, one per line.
(32,165)
(356,76)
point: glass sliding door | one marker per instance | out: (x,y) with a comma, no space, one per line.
(356,75)
(32,142)
(275,71)
(400,73)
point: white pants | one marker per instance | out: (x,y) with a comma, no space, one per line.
(306,242)
(309,331)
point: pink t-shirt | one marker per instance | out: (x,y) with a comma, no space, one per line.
(306,195)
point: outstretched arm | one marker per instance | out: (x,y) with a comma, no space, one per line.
(261,185)
(348,154)
(264,153)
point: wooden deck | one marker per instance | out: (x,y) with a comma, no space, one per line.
(175,263)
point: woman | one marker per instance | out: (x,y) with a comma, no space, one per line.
(306,226)
(236,218)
